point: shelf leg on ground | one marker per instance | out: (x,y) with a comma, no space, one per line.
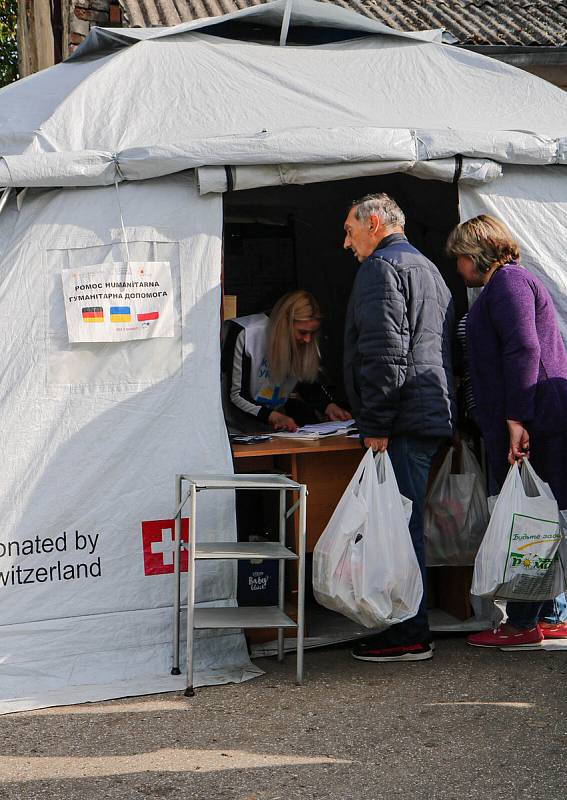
(301,582)
(281,573)
(189,692)
(176,579)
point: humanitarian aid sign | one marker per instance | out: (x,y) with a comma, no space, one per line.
(119,301)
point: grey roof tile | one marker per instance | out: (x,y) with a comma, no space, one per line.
(472,22)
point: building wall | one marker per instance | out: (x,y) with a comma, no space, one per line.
(43,41)
(35,36)
(554,74)
(82,15)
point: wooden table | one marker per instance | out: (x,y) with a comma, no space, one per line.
(324,465)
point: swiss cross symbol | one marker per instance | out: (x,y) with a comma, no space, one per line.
(158,537)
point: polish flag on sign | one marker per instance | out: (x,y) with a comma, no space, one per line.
(158,540)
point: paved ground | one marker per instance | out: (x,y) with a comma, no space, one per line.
(470,724)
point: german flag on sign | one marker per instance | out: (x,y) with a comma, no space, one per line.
(120,314)
(93,314)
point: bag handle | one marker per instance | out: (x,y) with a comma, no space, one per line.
(443,472)
(380,464)
(528,475)
(361,470)
(543,490)
(467,457)
(384,469)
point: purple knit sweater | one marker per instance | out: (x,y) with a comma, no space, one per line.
(517,359)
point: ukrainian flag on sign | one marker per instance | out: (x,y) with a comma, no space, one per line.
(120,314)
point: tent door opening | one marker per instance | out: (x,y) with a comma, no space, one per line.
(278,239)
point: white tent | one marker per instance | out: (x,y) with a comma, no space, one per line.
(123,152)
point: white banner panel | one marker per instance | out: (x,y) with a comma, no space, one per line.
(93,435)
(118,302)
(532,201)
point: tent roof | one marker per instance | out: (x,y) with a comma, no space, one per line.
(171,100)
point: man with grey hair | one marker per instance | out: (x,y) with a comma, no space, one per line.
(398,377)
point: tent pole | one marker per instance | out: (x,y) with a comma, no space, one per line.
(285,22)
(4,197)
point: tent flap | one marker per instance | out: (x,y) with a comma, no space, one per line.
(299,152)
(301,145)
(58,169)
(514,147)
(302,154)
(312,146)
(216,179)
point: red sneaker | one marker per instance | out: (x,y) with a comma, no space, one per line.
(557,631)
(404,652)
(523,640)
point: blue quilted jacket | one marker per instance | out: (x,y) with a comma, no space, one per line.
(398,338)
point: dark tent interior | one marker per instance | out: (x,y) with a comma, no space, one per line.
(282,238)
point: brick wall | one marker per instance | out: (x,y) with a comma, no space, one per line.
(84,14)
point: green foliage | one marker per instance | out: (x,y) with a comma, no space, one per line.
(8,46)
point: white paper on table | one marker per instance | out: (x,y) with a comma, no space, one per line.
(326,428)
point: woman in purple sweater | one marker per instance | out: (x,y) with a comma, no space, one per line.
(518,370)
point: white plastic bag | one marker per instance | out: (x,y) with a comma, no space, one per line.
(456,512)
(364,564)
(520,556)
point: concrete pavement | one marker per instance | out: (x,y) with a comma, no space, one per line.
(471,723)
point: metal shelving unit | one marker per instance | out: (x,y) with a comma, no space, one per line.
(238,617)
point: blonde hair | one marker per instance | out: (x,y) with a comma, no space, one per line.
(285,356)
(484,239)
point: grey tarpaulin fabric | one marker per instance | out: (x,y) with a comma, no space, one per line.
(193,99)
(532,201)
(93,434)
(92,438)
(215,179)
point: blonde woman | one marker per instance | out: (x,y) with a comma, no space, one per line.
(265,359)
(518,371)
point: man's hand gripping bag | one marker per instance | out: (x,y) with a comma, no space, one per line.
(364,564)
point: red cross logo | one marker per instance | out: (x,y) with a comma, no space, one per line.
(158,539)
